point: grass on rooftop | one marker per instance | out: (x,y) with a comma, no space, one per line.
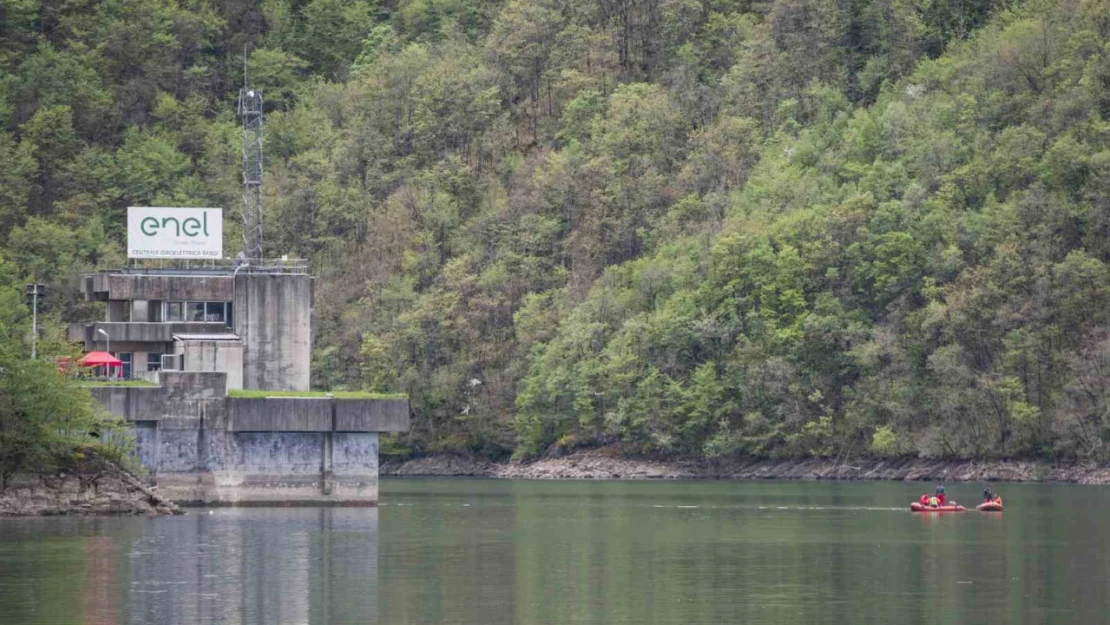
(254,393)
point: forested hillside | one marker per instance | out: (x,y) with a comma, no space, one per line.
(690,227)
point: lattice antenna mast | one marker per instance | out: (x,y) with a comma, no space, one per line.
(250,111)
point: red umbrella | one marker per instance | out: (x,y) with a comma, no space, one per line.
(99,359)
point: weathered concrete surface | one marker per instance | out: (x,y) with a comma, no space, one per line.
(278,468)
(355,465)
(371,415)
(107,285)
(200,446)
(132,403)
(609,464)
(93,486)
(187,395)
(222,356)
(127,335)
(273,315)
(280,414)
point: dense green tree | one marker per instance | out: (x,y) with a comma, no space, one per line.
(45,419)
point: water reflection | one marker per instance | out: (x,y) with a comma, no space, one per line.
(501,553)
(795,553)
(100,599)
(234,567)
(251,566)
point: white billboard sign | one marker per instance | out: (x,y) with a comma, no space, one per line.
(159,232)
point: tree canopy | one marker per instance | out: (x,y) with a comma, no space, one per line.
(694,227)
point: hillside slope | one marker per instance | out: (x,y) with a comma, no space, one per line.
(692,227)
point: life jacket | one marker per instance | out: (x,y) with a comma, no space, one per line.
(924,500)
(934,502)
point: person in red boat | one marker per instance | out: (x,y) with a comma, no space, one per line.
(940,494)
(924,499)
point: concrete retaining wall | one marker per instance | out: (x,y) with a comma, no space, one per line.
(276,468)
(371,415)
(279,414)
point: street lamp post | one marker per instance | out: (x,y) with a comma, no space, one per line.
(107,347)
(35,290)
(108,344)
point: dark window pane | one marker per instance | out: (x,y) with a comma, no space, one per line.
(195,311)
(215,312)
(175,311)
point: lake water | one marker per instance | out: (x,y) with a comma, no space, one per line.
(521,552)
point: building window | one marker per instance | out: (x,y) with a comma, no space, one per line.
(153,362)
(211,312)
(214,312)
(156,311)
(125,357)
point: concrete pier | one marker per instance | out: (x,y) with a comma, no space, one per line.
(201,331)
(200,446)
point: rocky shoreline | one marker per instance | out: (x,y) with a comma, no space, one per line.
(93,486)
(606,464)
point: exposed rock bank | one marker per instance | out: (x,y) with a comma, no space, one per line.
(93,487)
(605,464)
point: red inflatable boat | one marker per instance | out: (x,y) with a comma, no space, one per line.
(917,507)
(989,506)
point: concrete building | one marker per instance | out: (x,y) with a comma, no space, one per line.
(153,317)
(198,333)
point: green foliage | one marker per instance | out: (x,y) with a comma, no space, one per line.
(884,441)
(796,228)
(332,33)
(46,420)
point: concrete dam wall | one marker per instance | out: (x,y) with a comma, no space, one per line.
(201,447)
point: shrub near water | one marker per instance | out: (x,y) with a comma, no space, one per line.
(46,420)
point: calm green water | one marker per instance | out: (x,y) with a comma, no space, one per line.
(492,552)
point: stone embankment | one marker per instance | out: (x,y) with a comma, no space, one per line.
(93,487)
(604,464)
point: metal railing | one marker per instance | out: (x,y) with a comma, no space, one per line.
(216,266)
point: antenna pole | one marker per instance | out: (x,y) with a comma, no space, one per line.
(250,112)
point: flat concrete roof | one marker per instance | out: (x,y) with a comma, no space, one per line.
(206,337)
